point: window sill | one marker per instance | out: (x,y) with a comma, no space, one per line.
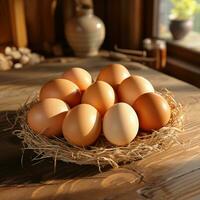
(187,49)
(182,70)
(190,42)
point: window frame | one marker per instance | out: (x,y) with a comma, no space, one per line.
(174,50)
(182,62)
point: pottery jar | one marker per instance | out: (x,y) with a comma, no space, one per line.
(85,33)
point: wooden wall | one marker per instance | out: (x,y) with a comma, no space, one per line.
(125,20)
(5,25)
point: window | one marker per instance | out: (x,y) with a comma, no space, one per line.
(183,56)
(191,41)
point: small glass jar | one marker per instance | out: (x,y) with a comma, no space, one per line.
(157,50)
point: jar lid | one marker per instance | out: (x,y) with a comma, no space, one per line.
(147,43)
(160,43)
(153,43)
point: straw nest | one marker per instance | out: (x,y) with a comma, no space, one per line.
(102,153)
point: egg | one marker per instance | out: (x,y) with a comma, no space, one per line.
(100,95)
(113,74)
(62,89)
(82,125)
(79,76)
(153,111)
(46,117)
(132,87)
(120,124)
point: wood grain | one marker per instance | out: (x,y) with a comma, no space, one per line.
(34,30)
(172,174)
(41,29)
(5,33)
(18,23)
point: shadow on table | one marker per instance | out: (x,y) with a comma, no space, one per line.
(15,170)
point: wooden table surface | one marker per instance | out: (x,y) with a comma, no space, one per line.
(173,174)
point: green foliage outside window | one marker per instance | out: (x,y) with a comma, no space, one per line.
(184,9)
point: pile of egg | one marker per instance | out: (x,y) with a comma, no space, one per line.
(117,105)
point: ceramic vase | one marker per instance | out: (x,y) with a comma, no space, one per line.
(85,33)
(180,28)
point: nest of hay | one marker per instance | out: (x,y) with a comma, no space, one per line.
(102,153)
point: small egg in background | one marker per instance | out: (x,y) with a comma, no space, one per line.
(113,74)
(62,89)
(120,124)
(46,117)
(82,125)
(79,76)
(100,95)
(132,87)
(153,111)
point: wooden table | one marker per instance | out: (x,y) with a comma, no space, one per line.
(173,174)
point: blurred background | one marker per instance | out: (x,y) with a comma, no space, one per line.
(170,24)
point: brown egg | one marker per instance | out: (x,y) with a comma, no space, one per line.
(132,87)
(100,95)
(153,111)
(46,117)
(79,76)
(61,89)
(82,125)
(120,124)
(113,74)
